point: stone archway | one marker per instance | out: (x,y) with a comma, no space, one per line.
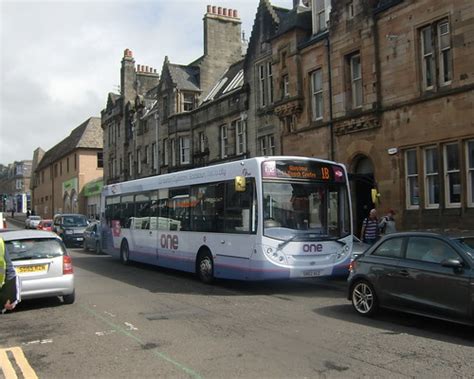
(363,180)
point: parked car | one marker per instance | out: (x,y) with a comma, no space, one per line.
(422,273)
(70,227)
(32,222)
(46,225)
(92,237)
(42,263)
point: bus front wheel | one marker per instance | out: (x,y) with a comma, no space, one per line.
(205,267)
(124,253)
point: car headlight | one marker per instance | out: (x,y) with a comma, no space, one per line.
(69,232)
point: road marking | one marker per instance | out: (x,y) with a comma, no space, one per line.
(105,333)
(125,332)
(130,326)
(38,342)
(21,361)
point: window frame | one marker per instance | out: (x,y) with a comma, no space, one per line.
(165,152)
(356,81)
(202,142)
(184,150)
(408,203)
(224,136)
(173,152)
(441,51)
(240,137)
(427,175)
(424,57)
(262,85)
(447,172)
(317,93)
(470,175)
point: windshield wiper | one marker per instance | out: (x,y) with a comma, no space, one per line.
(284,243)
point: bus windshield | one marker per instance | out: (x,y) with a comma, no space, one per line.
(305,210)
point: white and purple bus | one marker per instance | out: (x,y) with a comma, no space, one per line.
(254,219)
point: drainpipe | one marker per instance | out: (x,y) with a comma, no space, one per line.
(331,124)
(157,144)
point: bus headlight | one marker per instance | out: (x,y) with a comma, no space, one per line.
(275,255)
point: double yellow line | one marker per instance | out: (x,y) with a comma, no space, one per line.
(7,368)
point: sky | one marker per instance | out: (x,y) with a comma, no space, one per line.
(60,59)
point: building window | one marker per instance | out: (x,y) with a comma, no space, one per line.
(356,80)
(224,141)
(288,124)
(412,189)
(470,172)
(431,177)
(139,162)
(202,142)
(321,10)
(147,154)
(173,152)
(67,164)
(445,61)
(240,137)
(350,10)
(165,152)
(184,150)
(436,37)
(153,156)
(262,85)
(267,145)
(452,175)
(130,164)
(60,168)
(270,81)
(100,161)
(317,94)
(75,161)
(188,102)
(56,170)
(285,86)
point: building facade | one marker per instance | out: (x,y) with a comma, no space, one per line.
(386,87)
(66,168)
(15,187)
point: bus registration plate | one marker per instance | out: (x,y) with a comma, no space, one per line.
(309,273)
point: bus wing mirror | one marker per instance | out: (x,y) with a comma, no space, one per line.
(240,184)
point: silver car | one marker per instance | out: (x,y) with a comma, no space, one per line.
(32,222)
(42,263)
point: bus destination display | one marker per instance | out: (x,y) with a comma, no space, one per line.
(302,170)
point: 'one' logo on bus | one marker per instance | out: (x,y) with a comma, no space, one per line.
(168,241)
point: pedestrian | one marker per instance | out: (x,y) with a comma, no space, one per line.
(13,213)
(388,225)
(9,281)
(27,213)
(370,228)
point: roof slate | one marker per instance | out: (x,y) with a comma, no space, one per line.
(185,77)
(88,135)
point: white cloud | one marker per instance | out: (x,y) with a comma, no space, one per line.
(59,59)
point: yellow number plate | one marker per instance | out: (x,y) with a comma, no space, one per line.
(26,269)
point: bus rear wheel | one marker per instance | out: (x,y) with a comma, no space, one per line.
(205,267)
(124,253)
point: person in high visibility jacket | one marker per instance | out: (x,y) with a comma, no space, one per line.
(9,285)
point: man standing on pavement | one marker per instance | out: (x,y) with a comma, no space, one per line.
(9,286)
(370,228)
(387,224)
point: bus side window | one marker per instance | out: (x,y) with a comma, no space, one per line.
(238,208)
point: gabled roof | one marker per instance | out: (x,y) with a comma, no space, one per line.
(184,77)
(88,135)
(294,19)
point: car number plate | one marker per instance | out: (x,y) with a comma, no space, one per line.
(79,238)
(26,269)
(309,273)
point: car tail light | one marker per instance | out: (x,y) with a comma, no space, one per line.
(67,265)
(4,224)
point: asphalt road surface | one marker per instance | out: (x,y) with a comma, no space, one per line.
(141,321)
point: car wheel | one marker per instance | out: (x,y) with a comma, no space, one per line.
(69,299)
(98,250)
(125,253)
(364,299)
(205,267)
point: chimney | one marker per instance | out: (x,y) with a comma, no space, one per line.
(219,25)
(127,75)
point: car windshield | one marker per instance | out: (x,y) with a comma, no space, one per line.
(467,244)
(305,210)
(34,248)
(74,221)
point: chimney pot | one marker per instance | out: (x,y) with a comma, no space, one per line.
(138,67)
(214,9)
(236,14)
(219,11)
(154,70)
(224,11)
(209,9)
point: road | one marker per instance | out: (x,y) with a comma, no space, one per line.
(143,321)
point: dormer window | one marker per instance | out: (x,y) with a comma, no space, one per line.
(188,101)
(321,10)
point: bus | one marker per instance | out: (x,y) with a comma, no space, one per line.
(262,218)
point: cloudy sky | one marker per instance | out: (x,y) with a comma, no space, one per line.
(60,59)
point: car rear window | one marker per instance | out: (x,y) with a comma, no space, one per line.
(34,248)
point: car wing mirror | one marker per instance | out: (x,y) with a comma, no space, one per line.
(452,263)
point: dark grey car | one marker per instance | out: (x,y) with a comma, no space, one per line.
(70,227)
(422,273)
(92,237)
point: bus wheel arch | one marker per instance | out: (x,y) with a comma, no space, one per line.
(124,252)
(205,265)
